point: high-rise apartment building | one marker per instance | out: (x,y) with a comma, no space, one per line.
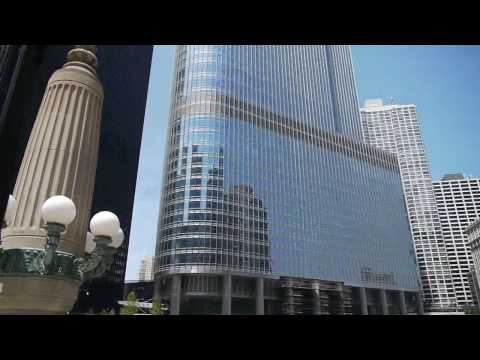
(473,238)
(272,204)
(145,273)
(458,203)
(396,129)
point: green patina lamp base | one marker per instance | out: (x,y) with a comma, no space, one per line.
(29,261)
(27,287)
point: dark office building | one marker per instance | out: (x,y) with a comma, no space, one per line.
(143,290)
(124,72)
(272,204)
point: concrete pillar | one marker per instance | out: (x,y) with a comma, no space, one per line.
(317,302)
(363,301)
(420,310)
(383,300)
(341,299)
(60,159)
(260,299)
(176,294)
(227,295)
(403,304)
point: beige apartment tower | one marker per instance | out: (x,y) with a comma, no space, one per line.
(145,273)
(396,129)
(458,203)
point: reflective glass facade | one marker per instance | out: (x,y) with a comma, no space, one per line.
(265,172)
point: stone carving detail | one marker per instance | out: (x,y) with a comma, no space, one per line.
(84,54)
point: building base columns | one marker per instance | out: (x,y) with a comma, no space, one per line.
(176,295)
(403,304)
(363,301)
(420,310)
(383,300)
(227,295)
(260,299)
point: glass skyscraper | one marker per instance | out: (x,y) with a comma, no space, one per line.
(271,202)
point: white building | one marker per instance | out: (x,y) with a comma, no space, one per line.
(395,128)
(458,203)
(145,272)
(473,235)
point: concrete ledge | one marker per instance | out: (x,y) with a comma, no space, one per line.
(37,295)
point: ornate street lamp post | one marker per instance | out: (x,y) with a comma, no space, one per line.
(43,247)
(57,213)
(105,237)
(10,212)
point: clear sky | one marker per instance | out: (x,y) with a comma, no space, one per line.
(443,81)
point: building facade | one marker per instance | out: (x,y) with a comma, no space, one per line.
(458,203)
(145,273)
(272,204)
(473,237)
(396,129)
(124,72)
(143,290)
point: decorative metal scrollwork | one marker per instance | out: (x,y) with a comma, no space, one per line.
(32,261)
(98,262)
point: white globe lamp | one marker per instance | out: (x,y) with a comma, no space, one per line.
(58,209)
(104,223)
(117,240)
(89,243)
(11,209)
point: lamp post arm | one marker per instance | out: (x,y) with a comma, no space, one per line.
(99,261)
(88,265)
(54,232)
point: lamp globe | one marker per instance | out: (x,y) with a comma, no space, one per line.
(104,223)
(11,209)
(117,240)
(58,209)
(89,243)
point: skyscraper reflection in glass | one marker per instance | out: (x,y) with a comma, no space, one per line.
(267,180)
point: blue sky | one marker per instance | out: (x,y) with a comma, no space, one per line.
(443,81)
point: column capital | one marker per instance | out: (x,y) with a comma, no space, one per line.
(84,55)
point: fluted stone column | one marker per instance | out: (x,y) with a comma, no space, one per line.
(60,159)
